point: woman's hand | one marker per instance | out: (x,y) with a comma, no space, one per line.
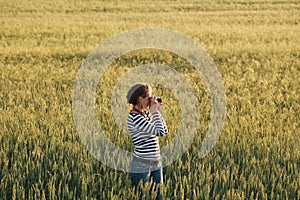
(154,105)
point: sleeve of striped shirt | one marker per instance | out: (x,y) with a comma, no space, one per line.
(163,123)
(156,126)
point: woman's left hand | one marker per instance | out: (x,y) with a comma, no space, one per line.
(154,105)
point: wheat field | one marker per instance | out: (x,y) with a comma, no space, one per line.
(255,45)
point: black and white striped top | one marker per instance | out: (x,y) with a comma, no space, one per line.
(144,131)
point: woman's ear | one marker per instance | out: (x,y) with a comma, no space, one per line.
(140,99)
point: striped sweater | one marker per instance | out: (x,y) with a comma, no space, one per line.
(144,131)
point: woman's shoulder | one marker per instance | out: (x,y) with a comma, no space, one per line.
(134,114)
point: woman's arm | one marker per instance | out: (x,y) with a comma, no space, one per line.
(156,127)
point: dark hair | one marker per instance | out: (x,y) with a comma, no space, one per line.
(136,91)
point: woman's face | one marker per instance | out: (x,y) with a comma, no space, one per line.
(145,101)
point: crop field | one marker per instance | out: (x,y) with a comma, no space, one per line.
(255,44)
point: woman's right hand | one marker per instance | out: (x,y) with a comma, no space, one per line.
(154,105)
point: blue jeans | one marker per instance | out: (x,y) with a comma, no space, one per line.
(146,172)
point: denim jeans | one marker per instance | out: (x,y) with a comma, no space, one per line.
(146,172)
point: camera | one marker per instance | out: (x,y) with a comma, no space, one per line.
(159,100)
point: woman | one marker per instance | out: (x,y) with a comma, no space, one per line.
(144,128)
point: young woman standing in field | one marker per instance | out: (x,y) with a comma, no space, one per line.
(144,128)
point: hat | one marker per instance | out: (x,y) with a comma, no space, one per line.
(132,92)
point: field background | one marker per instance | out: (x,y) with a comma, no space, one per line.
(255,45)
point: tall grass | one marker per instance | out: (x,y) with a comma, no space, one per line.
(255,45)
